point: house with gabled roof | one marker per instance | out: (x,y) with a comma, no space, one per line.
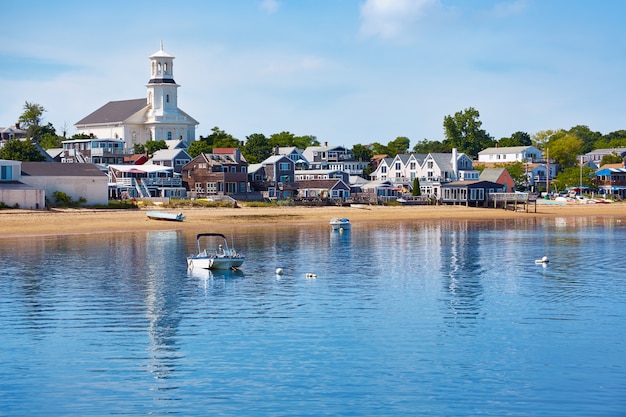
(137,121)
(274,178)
(323,189)
(77,181)
(469,193)
(500,176)
(175,158)
(506,154)
(294,154)
(224,172)
(611,180)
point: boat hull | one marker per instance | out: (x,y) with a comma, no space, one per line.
(210,262)
(340,224)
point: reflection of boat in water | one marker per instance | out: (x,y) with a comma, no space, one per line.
(340,224)
(209,274)
(220,256)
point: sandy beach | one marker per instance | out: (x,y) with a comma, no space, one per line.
(22,223)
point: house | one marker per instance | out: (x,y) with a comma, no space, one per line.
(221,173)
(333,157)
(137,121)
(596,155)
(510,154)
(321,174)
(12,132)
(471,193)
(175,158)
(294,154)
(500,176)
(77,181)
(94,151)
(611,180)
(15,193)
(322,189)
(144,181)
(274,178)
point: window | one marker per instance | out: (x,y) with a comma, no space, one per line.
(169,135)
(167,98)
(243,169)
(383,169)
(398,166)
(242,187)
(6,172)
(283,166)
(233,169)
(211,188)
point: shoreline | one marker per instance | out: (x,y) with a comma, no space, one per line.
(26,223)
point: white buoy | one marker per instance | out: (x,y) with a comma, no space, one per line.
(543,260)
(309,275)
(279,271)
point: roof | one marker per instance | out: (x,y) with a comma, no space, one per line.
(505,149)
(492,174)
(114,111)
(144,169)
(472,184)
(57,169)
(15,185)
(168,154)
(609,171)
(328,184)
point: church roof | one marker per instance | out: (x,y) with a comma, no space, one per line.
(114,111)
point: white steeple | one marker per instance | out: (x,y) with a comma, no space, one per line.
(162,89)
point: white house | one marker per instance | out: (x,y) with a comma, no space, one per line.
(15,193)
(510,154)
(156,117)
(75,180)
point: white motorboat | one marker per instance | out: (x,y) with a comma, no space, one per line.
(219,256)
(340,224)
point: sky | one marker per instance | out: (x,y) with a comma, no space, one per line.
(345,71)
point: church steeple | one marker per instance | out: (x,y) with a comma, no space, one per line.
(162,89)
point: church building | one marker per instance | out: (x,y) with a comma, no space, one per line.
(156,117)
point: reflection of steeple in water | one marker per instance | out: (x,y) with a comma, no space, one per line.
(162,301)
(461,272)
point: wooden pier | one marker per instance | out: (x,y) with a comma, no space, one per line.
(513,201)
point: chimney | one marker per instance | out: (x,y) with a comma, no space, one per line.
(326,144)
(276,150)
(455,163)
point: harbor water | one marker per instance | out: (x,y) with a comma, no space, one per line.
(433,318)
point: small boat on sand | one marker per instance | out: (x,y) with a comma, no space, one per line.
(340,224)
(217,256)
(159,215)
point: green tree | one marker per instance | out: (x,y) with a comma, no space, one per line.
(587,137)
(426,147)
(399,145)
(517,171)
(257,148)
(154,145)
(564,148)
(362,153)
(31,118)
(198,147)
(615,139)
(18,150)
(285,139)
(571,177)
(612,158)
(139,148)
(380,149)
(416,187)
(463,131)
(516,139)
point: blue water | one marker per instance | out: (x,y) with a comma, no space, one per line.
(441,318)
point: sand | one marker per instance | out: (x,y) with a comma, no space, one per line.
(23,223)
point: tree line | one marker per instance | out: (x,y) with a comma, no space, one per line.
(462,131)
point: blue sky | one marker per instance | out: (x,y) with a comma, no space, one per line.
(345,71)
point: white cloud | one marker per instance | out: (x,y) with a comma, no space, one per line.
(270,6)
(391,18)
